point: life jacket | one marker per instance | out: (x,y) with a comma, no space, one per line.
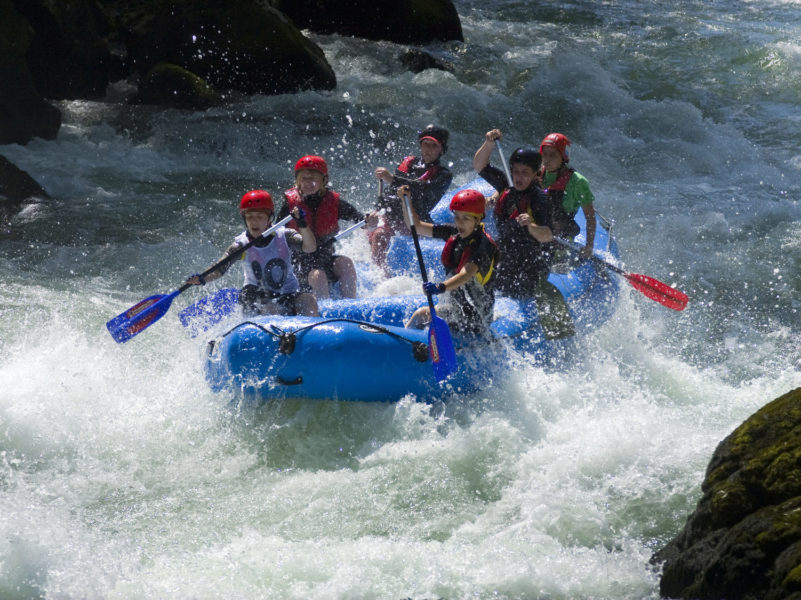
(556,192)
(323,220)
(269,266)
(453,263)
(522,205)
(428,170)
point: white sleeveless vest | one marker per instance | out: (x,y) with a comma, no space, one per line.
(270,267)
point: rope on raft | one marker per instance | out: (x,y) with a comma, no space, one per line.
(287,339)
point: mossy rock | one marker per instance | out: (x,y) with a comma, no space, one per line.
(744,539)
(173,86)
(240,45)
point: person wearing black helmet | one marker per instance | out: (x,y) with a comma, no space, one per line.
(427,179)
(523,216)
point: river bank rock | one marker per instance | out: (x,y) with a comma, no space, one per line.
(16,188)
(52,50)
(241,45)
(400,21)
(24,113)
(743,542)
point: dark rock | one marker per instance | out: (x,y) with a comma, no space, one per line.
(401,21)
(16,187)
(240,45)
(419,60)
(70,55)
(170,85)
(24,114)
(743,542)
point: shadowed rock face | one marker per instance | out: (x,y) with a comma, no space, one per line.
(744,539)
(16,186)
(238,44)
(401,21)
(72,50)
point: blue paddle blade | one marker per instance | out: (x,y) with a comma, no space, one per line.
(139,317)
(440,347)
(209,311)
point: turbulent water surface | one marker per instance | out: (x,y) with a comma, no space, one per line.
(123,476)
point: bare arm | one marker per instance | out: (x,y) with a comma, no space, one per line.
(309,240)
(465,274)
(541,233)
(482,156)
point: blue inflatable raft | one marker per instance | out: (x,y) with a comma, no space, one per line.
(358,349)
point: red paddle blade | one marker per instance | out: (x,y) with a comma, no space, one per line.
(658,291)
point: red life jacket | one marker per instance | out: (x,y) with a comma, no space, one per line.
(565,173)
(450,262)
(523,205)
(409,161)
(324,221)
(556,192)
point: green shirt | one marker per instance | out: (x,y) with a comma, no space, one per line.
(577,191)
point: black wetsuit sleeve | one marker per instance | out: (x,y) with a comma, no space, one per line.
(495,177)
(348,212)
(443,232)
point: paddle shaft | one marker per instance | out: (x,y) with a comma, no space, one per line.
(344,233)
(146,312)
(648,286)
(235,256)
(408,208)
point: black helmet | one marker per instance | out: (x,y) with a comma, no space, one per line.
(527,156)
(438,133)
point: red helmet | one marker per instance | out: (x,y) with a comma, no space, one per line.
(469,201)
(558,141)
(256,200)
(313,163)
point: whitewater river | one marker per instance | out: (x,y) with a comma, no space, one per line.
(123,477)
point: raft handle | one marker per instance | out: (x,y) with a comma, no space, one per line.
(297,381)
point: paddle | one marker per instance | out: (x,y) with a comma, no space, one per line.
(143,314)
(212,309)
(648,286)
(440,343)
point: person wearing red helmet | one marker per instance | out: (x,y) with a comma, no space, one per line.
(427,179)
(324,208)
(469,257)
(523,216)
(271,286)
(568,189)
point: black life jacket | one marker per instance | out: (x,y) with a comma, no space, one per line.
(456,255)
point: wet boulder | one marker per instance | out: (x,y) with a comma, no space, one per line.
(174,87)
(743,542)
(24,113)
(400,21)
(70,55)
(16,189)
(241,45)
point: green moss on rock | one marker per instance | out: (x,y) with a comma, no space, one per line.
(744,538)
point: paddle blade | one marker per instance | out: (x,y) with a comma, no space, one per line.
(658,291)
(208,311)
(139,317)
(440,347)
